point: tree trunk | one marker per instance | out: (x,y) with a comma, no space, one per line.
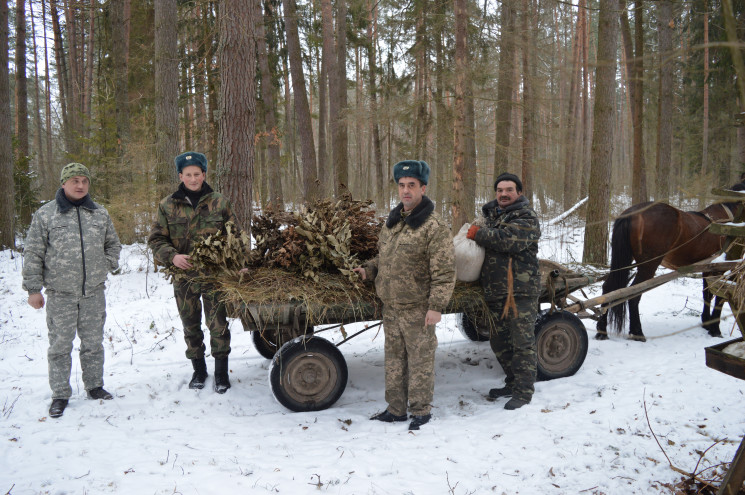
(62,78)
(665,99)
(528,101)
(705,124)
(41,162)
(459,214)
(341,142)
(166,93)
(50,162)
(503,113)
(598,207)
(21,91)
(7,208)
(119,57)
(274,163)
(639,177)
(74,64)
(235,152)
(373,88)
(302,109)
(88,83)
(570,141)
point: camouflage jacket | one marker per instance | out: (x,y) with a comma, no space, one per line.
(416,262)
(69,249)
(510,236)
(179,223)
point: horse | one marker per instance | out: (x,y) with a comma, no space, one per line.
(653,234)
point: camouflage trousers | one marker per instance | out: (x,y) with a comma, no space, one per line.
(68,315)
(513,343)
(188,296)
(409,360)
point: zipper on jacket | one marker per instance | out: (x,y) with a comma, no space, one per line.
(82,245)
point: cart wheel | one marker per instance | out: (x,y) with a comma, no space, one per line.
(308,374)
(265,343)
(473,328)
(561,344)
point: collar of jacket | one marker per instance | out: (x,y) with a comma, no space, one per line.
(416,218)
(66,205)
(180,193)
(492,207)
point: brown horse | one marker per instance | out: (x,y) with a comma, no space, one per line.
(651,234)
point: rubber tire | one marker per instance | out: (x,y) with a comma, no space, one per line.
(295,371)
(561,344)
(473,329)
(264,346)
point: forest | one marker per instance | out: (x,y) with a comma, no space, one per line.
(296,100)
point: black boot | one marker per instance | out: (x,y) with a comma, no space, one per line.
(200,374)
(222,383)
(417,421)
(57,408)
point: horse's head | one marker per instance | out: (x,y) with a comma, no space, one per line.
(730,211)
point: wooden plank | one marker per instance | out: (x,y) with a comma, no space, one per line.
(727,229)
(736,474)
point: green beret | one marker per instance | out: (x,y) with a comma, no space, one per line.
(74,170)
(412,168)
(190,158)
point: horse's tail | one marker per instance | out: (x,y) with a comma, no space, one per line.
(620,266)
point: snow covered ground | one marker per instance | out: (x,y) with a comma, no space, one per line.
(585,434)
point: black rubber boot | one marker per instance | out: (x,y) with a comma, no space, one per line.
(57,408)
(496,393)
(417,421)
(200,374)
(387,417)
(99,393)
(222,382)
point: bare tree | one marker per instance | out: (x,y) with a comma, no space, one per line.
(120,55)
(372,70)
(166,92)
(302,109)
(598,208)
(237,118)
(270,113)
(503,113)
(21,90)
(459,214)
(7,210)
(665,99)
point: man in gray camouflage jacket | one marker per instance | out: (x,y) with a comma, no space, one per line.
(414,276)
(511,281)
(70,248)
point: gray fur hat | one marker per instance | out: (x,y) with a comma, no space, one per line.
(412,168)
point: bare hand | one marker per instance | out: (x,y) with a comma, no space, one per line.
(361,272)
(181,261)
(36,301)
(432,318)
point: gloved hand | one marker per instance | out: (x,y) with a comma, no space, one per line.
(472,232)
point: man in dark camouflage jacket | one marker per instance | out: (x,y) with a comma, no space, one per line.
(194,211)
(70,248)
(510,278)
(414,276)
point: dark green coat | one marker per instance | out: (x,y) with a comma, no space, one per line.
(510,234)
(179,223)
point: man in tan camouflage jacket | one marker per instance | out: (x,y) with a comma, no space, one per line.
(414,276)
(192,212)
(70,248)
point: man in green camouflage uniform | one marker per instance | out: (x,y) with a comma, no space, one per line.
(510,278)
(70,248)
(414,276)
(195,211)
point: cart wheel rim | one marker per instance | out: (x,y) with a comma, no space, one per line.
(557,345)
(309,377)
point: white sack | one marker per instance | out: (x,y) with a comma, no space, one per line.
(469,256)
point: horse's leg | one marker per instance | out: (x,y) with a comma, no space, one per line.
(644,273)
(710,315)
(601,327)
(716,313)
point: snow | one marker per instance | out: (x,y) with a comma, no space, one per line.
(588,433)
